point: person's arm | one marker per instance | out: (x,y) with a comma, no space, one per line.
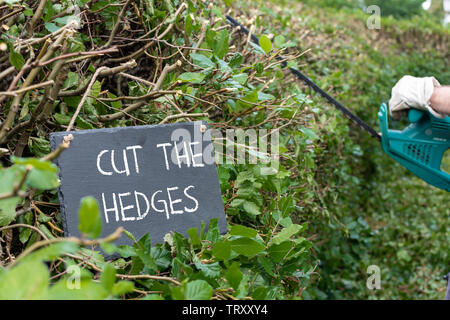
(440,100)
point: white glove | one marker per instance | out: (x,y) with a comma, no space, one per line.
(412,92)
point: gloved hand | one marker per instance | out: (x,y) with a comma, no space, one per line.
(412,92)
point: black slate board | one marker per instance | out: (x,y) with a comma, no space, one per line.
(80,176)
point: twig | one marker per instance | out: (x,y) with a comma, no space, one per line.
(117,25)
(63,146)
(183,115)
(37,15)
(81,242)
(87,54)
(148,83)
(45,53)
(21,90)
(11,14)
(124,276)
(167,69)
(7,72)
(21,225)
(83,99)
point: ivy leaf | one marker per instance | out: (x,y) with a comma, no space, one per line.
(246,247)
(90,221)
(265,43)
(198,290)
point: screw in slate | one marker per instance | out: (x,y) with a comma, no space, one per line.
(202,128)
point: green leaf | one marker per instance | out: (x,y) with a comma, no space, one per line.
(16,59)
(193,234)
(234,275)
(210,270)
(162,257)
(51,27)
(71,80)
(251,208)
(62,118)
(27,281)
(44,218)
(122,287)
(235,60)
(87,290)
(42,179)
(241,78)
(238,230)
(147,259)
(188,26)
(43,176)
(83,124)
(246,247)
(198,290)
(222,250)
(220,46)
(213,233)
(89,215)
(265,43)
(267,265)
(36,163)
(194,77)
(202,61)
(286,233)
(8,178)
(53,251)
(278,41)
(278,251)
(39,146)
(108,277)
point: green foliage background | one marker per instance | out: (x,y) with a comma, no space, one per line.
(336,206)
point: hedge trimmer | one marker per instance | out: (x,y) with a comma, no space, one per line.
(420,147)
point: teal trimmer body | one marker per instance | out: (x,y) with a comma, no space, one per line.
(420,147)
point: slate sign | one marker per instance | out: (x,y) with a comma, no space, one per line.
(148,179)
